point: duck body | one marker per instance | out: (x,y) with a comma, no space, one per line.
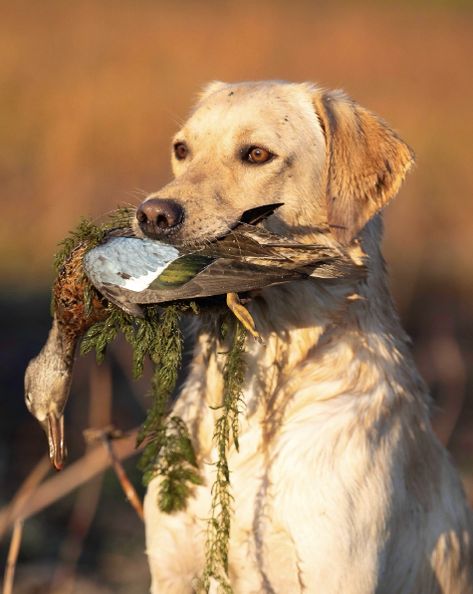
(132,271)
(74,311)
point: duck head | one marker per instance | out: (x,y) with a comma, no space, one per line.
(47,385)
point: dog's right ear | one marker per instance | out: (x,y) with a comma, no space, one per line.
(366,162)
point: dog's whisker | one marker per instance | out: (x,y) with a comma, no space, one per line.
(138,193)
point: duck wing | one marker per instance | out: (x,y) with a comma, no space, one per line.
(130,271)
(218,278)
(258,246)
(132,264)
(229,275)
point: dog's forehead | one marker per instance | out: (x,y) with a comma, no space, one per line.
(247,109)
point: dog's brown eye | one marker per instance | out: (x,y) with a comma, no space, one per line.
(257,155)
(180,150)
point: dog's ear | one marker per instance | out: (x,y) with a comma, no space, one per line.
(210,88)
(366,163)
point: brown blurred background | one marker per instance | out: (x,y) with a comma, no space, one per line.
(92,92)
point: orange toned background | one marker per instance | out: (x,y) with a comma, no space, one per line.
(92,92)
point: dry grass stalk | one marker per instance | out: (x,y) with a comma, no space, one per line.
(24,493)
(12,557)
(14,513)
(128,488)
(106,436)
(91,464)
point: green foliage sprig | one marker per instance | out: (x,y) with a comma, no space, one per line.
(92,234)
(102,333)
(226,428)
(168,450)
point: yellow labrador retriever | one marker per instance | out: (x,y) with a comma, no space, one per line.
(340,486)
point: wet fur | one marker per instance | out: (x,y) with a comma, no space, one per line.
(340,485)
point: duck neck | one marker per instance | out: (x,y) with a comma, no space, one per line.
(60,343)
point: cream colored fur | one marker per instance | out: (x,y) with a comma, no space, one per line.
(340,485)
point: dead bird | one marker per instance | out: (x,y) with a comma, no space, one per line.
(133,271)
(48,376)
(47,383)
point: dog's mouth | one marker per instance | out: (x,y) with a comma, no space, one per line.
(164,234)
(170,234)
(255,215)
(250,217)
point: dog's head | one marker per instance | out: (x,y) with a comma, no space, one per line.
(331,162)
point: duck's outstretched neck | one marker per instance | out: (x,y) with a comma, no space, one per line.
(61,343)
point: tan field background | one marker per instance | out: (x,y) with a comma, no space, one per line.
(92,92)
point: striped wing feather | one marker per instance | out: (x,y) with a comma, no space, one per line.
(228,276)
(223,276)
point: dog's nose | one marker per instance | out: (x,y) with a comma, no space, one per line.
(159,216)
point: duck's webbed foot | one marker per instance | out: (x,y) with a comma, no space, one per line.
(242,314)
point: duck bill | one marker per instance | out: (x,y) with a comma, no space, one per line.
(57,446)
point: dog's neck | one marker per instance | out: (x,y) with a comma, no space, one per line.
(323,341)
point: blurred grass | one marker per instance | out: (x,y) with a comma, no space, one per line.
(92,92)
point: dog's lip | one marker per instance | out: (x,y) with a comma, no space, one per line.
(172,230)
(197,242)
(164,232)
(201,240)
(256,214)
(251,217)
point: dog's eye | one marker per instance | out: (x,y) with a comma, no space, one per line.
(181,150)
(257,155)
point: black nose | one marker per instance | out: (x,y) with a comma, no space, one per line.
(158,217)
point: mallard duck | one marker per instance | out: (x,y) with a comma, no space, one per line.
(131,271)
